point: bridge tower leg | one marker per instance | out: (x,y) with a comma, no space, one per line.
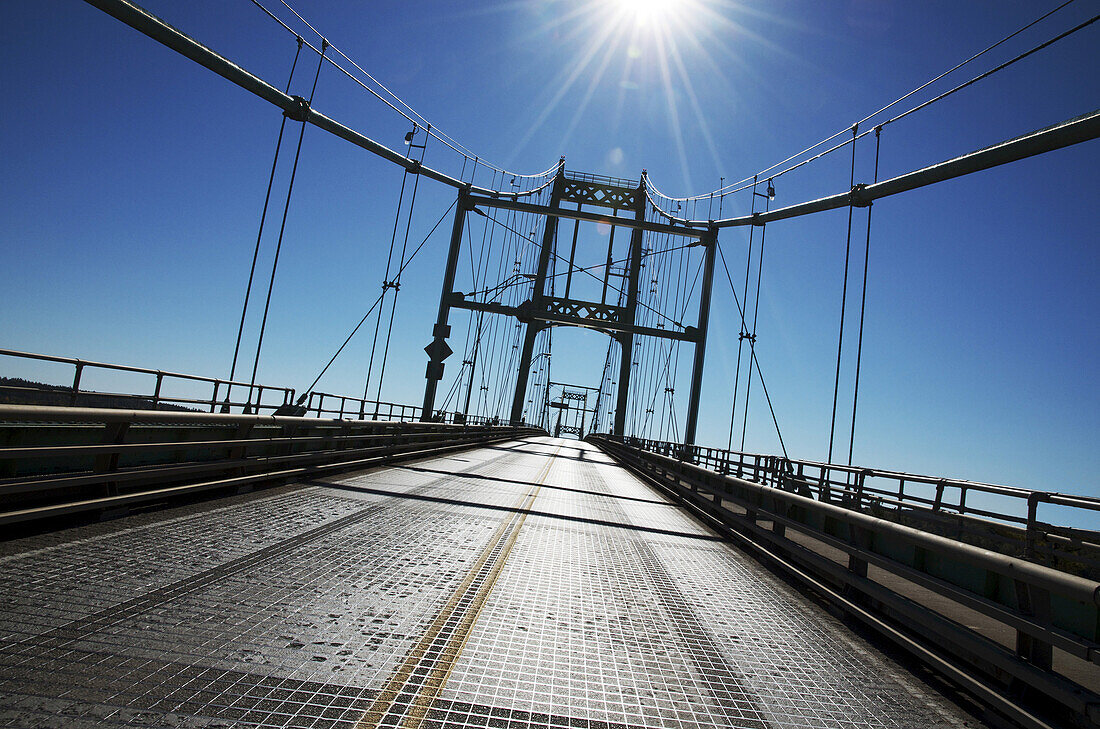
(626,339)
(438,349)
(710,242)
(538,293)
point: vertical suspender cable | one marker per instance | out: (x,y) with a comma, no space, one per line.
(397,278)
(386,283)
(843,301)
(741,335)
(260,234)
(282,229)
(752,337)
(752,352)
(377,302)
(863,306)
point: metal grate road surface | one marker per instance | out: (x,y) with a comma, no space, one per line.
(530,584)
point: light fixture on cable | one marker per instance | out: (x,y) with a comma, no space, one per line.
(770,194)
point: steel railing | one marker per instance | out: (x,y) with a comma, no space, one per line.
(945,505)
(226,396)
(947,601)
(59,460)
(326,404)
(159,393)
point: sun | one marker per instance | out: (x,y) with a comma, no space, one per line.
(648,12)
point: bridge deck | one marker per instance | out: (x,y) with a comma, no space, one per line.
(530,584)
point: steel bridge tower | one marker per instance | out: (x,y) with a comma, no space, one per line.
(542,310)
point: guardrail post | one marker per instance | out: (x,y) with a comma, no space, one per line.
(289,431)
(76,382)
(156,390)
(1032,534)
(863,539)
(214,396)
(238,451)
(940,486)
(861,478)
(1034,602)
(113,434)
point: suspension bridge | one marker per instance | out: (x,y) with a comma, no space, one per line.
(209,551)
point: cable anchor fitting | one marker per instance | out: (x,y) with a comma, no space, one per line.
(299,112)
(858,196)
(745,335)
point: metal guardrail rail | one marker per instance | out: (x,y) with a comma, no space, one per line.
(877,571)
(930,503)
(221,395)
(345,406)
(163,391)
(59,460)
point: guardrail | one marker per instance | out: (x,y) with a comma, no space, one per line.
(931,503)
(59,460)
(341,406)
(221,394)
(222,398)
(882,573)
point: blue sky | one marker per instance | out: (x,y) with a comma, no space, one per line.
(133,182)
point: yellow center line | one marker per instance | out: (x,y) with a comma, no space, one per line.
(507,530)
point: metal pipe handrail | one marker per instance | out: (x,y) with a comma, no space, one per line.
(1071,586)
(157,396)
(774,468)
(217,401)
(130,368)
(51,413)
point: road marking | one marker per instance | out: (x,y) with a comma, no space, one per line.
(420,678)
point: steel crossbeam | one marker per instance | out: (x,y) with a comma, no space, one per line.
(527,312)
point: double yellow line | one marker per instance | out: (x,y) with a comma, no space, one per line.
(452,626)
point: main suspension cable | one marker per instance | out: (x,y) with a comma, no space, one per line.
(411,115)
(746,182)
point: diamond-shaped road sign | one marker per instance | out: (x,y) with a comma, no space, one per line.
(438,350)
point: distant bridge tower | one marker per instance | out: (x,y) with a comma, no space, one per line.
(542,310)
